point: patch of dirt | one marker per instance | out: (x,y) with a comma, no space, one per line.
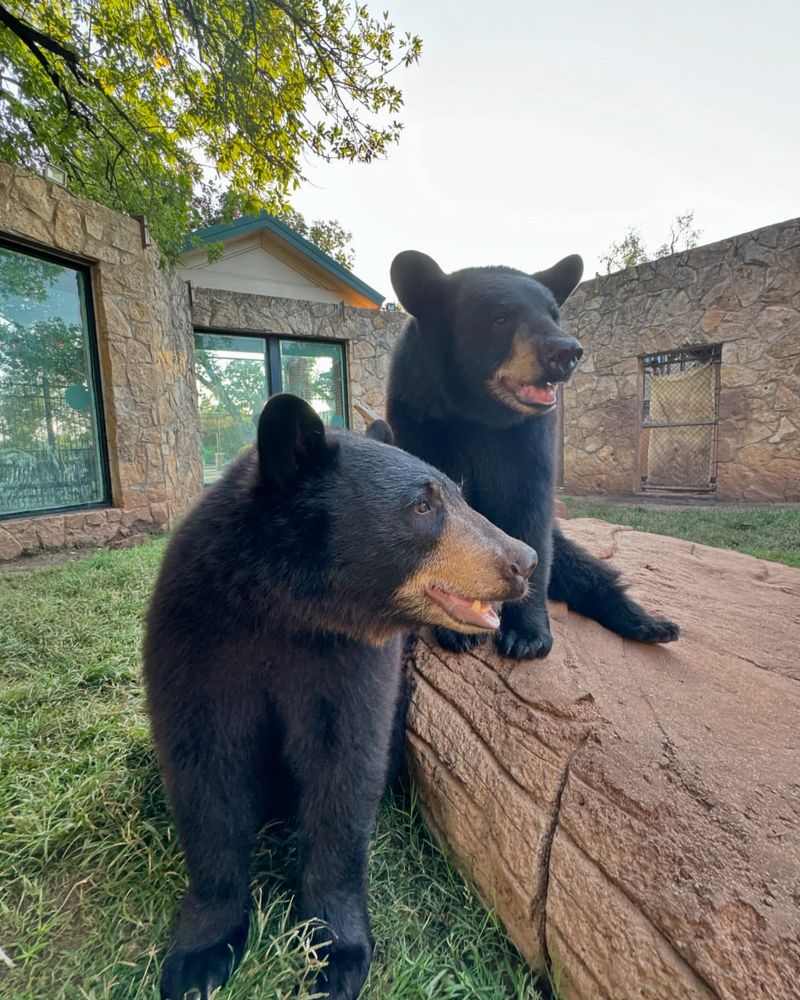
(40,560)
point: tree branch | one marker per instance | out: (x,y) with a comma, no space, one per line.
(32,37)
(213,382)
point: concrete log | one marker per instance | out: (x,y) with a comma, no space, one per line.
(633,812)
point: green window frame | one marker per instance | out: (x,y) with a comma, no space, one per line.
(53,453)
(237,372)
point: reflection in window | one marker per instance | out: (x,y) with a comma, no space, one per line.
(232,385)
(50,454)
(235,378)
(315,372)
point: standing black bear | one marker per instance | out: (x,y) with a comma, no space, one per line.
(472,390)
(272,662)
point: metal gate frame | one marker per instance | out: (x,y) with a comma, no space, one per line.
(669,361)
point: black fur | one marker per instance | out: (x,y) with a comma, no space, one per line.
(272,660)
(464,328)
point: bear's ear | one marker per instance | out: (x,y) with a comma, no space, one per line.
(291,440)
(379,430)
(562,278)
(419,282)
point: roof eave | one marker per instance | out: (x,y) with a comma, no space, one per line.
(224,231)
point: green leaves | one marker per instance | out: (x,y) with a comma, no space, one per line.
(135,100)
(211,206)
(631,249)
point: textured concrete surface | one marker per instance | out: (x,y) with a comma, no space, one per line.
(633,812)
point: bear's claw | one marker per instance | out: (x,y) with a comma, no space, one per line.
(200,973)
(345,972)
(655,630)
(457,642)
(519,645)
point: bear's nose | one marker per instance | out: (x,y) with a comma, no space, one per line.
(522,562)
(561,356)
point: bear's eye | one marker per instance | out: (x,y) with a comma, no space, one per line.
(500,319)
(422,507)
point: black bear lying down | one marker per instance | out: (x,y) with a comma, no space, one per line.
(472,390)
(272,664)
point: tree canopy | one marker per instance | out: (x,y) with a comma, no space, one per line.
(631,249)
(140,101)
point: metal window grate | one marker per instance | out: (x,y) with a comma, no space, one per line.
(678,420)
(58,465)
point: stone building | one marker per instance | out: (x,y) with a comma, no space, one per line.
(262,255)
(97,436)
(124,387)
(690,381)
(273,313)
(110,419)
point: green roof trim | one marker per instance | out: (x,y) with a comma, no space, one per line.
(252,223)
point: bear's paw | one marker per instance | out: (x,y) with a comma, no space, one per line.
(646,628)
(457,642)
(345,972)
(201,972)
(519,644)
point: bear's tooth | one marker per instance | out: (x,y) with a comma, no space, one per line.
(477,606)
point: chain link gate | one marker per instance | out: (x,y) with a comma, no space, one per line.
(679,419)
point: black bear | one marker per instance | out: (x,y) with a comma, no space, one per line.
(272,664)
(472,390)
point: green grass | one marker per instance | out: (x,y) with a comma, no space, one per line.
(765,532)
(90,870)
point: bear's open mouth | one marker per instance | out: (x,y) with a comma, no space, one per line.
(529,393)
(478,613)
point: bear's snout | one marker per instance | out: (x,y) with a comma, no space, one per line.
(521,561)
(560,356)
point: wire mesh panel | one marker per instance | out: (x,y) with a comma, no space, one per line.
(679,417)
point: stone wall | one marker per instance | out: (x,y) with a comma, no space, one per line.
(368,334)
(743,293)
(146,352)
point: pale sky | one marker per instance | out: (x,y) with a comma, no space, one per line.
(534,130)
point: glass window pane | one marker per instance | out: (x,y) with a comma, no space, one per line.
(50,454)
(315,372)
(233,385)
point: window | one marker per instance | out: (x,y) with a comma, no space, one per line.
(678,422)
(236,375)
(51,445)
